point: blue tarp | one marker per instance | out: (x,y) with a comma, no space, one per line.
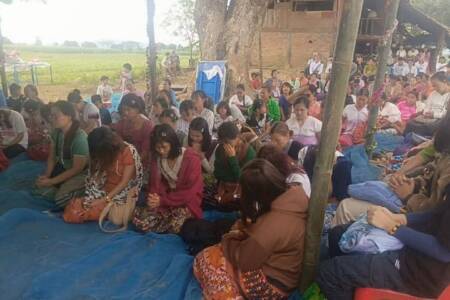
(44,258)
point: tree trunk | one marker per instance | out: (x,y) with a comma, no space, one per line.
(243,25)
(321,182)
(391,9)
(2,65)
(227,33)
(151,51)
(210,18)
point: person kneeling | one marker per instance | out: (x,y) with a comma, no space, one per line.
(114,176)
(175,187)
(261,258)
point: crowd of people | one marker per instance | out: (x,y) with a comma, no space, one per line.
(159,164)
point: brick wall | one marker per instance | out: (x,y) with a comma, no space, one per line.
(288,38)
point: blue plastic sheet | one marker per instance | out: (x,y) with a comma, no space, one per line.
(44,258)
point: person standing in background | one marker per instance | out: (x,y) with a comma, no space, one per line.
(104,89)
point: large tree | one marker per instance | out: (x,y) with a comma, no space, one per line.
(180,19)
(227,30)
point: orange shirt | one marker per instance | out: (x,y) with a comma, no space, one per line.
(115,172)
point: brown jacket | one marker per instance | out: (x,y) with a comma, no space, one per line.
(275,242)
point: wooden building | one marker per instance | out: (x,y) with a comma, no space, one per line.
(294,29)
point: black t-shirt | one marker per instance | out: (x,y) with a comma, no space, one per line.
(426,276)
(15,104)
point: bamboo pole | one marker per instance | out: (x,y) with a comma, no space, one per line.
(390,9)
(151,55)
(321,183)
(2,65)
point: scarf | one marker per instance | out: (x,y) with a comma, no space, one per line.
(171,174)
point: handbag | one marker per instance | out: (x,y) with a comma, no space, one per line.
(76,213)
(119,214)
(227,192)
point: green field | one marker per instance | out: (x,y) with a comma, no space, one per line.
(83,66)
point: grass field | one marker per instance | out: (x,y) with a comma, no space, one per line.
(81,68)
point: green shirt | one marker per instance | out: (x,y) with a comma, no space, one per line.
(227,169)
(79,147)
(273,110)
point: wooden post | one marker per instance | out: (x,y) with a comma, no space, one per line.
(151,55)
(390,15)
(321,183)
(2,65)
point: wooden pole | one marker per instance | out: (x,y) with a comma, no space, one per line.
(390,9)
(321,183)
(2,65)
(151,55)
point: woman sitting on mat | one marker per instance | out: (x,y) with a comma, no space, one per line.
(115,174)
(68,157)
(261,258)
(175,188)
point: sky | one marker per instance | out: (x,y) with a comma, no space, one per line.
(83,20)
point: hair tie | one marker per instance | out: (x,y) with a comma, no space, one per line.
(163,134)
(202,130)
